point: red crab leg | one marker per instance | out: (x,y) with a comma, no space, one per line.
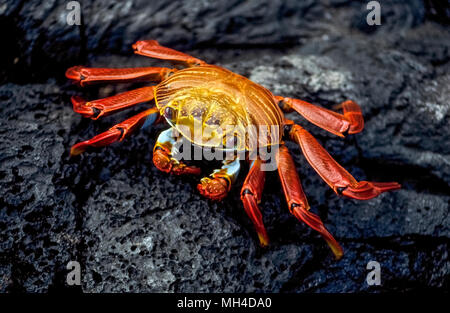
(251,196)
(296,199)
(85,75)
(116,133)
(351,121)
(332,173)
(152,49)
(106,106)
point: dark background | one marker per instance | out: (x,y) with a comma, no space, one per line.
(133,228)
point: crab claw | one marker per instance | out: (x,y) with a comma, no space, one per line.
(213,188)
(167,164)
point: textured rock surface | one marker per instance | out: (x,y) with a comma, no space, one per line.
(133,228)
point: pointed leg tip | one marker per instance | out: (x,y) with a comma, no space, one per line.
(366,190)
(263,240)
(138,45)
(332,243)
(78,102)
(74,153)
(314,221)
(83,107)
(388,186)
(77,149)
(74,73)
(336,249)
(339,256)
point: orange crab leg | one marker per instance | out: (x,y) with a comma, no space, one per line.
(85,75)
(106,106)
(341,181)
(296,199)
(152,49)
(351,121)
(116,133)
(251,196)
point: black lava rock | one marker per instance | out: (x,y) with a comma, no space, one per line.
(133,228)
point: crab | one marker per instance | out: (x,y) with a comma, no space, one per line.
(210,97)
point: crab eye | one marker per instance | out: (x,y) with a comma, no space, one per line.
(169,113)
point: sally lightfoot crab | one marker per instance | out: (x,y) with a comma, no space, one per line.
(211,98)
